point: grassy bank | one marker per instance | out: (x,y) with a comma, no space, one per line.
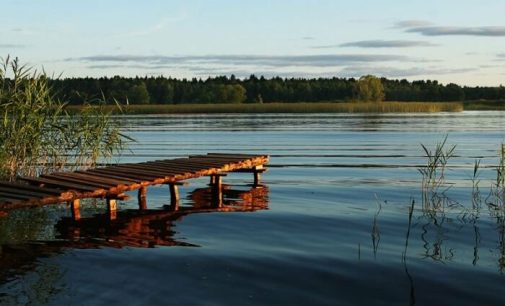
(484,105)
(325,107)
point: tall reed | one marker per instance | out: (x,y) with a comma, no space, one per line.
(37,134)
(434,171)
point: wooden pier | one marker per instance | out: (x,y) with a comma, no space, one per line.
(111,183)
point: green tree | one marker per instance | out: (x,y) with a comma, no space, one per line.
(138,94)
(235,93)
(370,88)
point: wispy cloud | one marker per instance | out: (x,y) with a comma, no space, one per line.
(12,46)
(382,44)
(490,31)
(427,28)
(413,24)
(325,65)
(393,72)
(242,60)
(308,38)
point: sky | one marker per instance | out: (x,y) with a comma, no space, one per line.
(452,41)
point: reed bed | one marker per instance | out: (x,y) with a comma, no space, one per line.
(38,135)
(320,107)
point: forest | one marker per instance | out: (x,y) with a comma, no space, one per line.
(223,89)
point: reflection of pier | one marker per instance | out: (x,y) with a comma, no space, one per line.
(131,228)
(148,227)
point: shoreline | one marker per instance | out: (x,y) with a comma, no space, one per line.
(302,107)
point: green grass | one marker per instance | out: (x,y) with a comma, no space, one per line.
(484,105)
(320,107)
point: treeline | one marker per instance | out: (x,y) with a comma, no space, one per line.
(161,90)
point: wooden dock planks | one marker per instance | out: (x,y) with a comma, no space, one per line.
(110,182)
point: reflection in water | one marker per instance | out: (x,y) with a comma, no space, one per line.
(412,291)
(132,228)
(437,224)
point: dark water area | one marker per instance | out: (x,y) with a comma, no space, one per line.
(340,220)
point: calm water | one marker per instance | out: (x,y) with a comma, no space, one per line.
(330,227)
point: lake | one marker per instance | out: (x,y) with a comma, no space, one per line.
(340,220)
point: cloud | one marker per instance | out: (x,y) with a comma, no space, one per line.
(326,65)
(384,44)
(308,38)
(11,46)
(428,28)
(459,31)
(500,57)
(245,60)
(393,72)
(413,24)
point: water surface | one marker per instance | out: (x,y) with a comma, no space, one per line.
(330,227)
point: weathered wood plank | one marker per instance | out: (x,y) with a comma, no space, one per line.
(185,166)
(112,176)
(45,181)
(145,170)
(179,165)
(63,178)
(91,178)
(171,169)
(23,192)
(10,195)
(129,174)
(20,186)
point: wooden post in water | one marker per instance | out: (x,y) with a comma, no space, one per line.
(174,196)
(257,171)
(257,178)
(112,208)
(75,209)
(217,191)
(142,196)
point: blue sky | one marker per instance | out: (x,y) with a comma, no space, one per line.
(451,41)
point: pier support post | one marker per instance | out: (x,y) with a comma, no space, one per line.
(112,208)
(75,209)
(257,178)
(217,191)
(174,196)
(257,171)
(142,196)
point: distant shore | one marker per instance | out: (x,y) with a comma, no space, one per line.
(319,107)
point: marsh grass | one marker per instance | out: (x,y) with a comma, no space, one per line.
(434,172)
(38,134)
(320,107)
(476,195)
(496,197)
(434,185)
(433,175)
(375,233)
